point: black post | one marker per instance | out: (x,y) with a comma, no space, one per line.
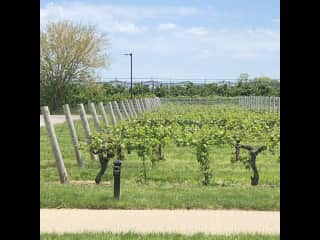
(131,73)
(116,178)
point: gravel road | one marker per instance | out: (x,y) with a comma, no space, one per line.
(146,221)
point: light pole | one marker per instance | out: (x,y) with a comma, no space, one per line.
(130,54)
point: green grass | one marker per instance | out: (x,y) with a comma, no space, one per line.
(157,236)
(159,195)
(172,183)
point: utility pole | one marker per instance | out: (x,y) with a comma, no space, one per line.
(130,54)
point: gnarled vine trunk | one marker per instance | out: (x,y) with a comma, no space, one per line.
(103,166)
(160,152)
(237,152)
(253,156)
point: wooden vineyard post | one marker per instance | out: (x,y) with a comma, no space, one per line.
(252,102)
(146,103)
(256,97)
(273,104)
(124,110)
(73,135)
(266,104)
(118,110)
(136,106)
(269,104)
(104,115)
(266,99)
(95,116)
(86,127)
(55,146)
(140,107)
(113,117)
(144,100)
(156,102)
(256,102)
(151,104)
(141,104)
(133,108)
(126,102)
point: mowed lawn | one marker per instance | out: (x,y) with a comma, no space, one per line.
(173,183)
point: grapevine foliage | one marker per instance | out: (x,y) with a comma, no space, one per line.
(200,129)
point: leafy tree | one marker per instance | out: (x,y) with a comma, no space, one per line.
(161,91)
(68,52)
(139,89)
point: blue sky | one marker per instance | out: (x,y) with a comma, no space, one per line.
(181,39)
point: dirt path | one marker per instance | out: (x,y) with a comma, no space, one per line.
(58,119)
(144,221)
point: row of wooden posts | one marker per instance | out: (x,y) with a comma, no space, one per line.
(130,109)
(260,103)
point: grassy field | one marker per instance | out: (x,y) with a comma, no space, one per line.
(158,236)
(173,183)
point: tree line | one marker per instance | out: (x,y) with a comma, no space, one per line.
(261,86)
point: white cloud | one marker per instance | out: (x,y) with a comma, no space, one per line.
(111,18)
(197,31)
(127,28)
(167,26)
(103,17)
